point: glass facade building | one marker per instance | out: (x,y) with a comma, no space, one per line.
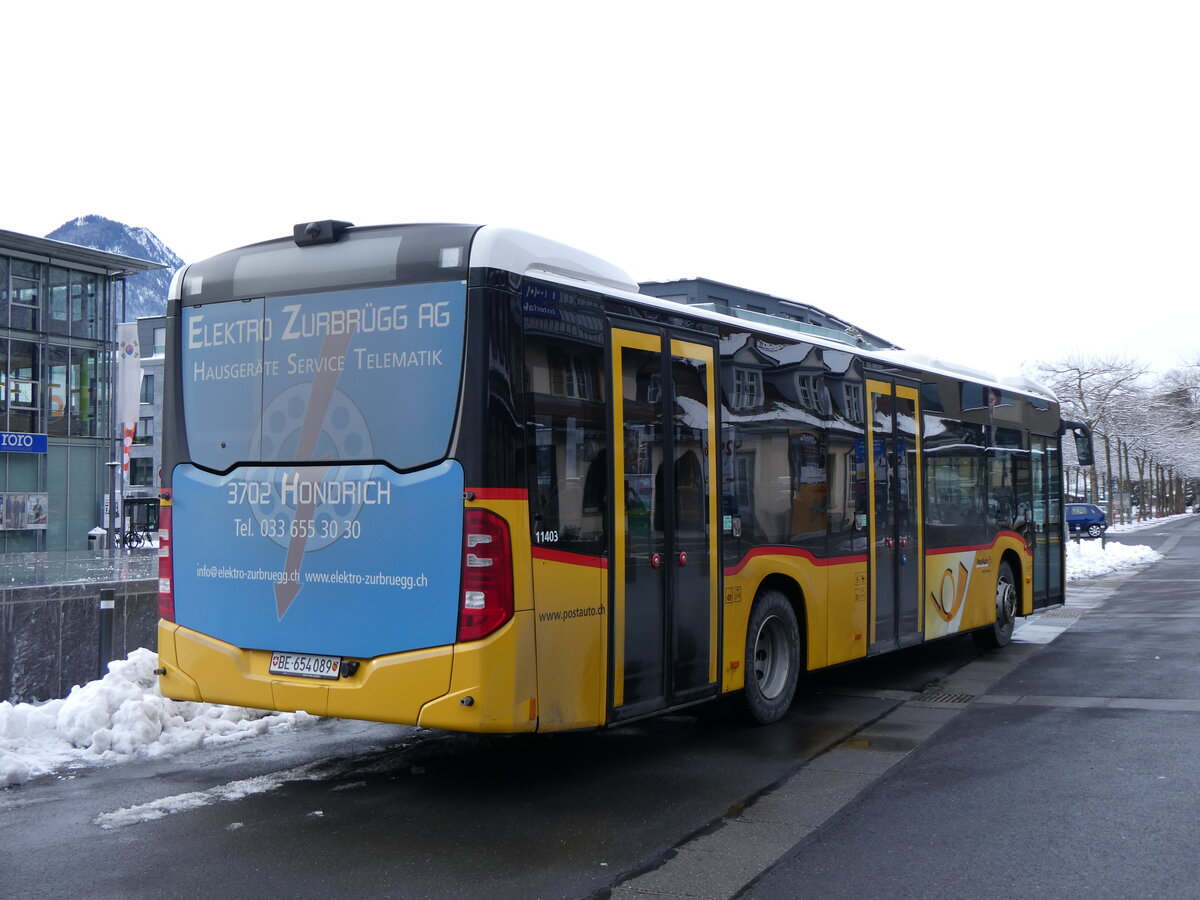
(145,457)
(59,307)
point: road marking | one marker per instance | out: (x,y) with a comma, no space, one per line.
(1042,629)
(1145,704)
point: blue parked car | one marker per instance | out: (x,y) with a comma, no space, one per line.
(1086,517)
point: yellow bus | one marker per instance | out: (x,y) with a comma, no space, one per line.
(468,478)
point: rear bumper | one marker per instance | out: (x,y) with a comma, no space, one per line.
(481,686)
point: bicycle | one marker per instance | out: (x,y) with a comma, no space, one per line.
(135,537)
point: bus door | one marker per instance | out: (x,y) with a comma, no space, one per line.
(1047,522)
(896,545)
(665,581)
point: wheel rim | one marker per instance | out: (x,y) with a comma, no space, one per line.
(1006,601)
(771,657)
(1094,531)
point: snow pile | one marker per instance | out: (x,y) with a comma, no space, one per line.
(120,717)
(1087,559)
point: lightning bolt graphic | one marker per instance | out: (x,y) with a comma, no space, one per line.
(333,346)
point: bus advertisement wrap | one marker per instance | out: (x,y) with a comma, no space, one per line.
(310,404)
(300,377)
(355,560)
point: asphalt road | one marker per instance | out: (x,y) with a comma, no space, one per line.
(1075,775)
(367,810)
(1060,768)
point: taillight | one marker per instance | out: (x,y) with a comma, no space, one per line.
(166,590)
(487,589)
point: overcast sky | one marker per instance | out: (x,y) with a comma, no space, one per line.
(991,182)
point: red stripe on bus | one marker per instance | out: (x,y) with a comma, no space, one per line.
(793,551)
(499,493)
(974,548)
(575,559)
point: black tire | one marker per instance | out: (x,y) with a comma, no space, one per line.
(133,539)
(999,633)
(1094,531)
(772,658)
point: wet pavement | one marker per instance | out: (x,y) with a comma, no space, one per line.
(1065,765)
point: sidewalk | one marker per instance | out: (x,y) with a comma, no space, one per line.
(1066,746)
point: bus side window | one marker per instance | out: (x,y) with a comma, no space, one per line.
(565,403)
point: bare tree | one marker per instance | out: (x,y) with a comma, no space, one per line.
(1140,422)
(1096,391)
(1100,392)
(1175,403)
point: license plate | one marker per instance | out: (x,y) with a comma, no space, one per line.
(306,665)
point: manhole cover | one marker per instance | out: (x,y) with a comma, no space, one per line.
(1061,614)
(942,697)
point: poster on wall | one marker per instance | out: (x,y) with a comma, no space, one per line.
(23,512)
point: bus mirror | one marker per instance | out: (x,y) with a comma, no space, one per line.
(1083,445)
(1083,441)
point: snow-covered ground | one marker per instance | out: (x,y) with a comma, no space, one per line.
(1087,559)
(123,716)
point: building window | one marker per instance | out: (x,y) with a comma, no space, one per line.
(571,376)
(22,387)
(141,471)
(145,431)
(59,308)
(807,392)
(85,305)
(747,388)
(743,480)
(652,386)
(3,290)
(58,389)
(160,341)
(148,388)
(25,296)
(852,393)
(84,391)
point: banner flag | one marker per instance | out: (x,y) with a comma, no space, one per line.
(129,373)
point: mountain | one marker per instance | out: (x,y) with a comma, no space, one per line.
(146,292)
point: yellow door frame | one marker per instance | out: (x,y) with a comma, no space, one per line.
(621,339)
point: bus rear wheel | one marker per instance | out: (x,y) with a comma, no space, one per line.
(1000,633)
(772,658)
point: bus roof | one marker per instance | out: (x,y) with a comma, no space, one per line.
(527,254)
